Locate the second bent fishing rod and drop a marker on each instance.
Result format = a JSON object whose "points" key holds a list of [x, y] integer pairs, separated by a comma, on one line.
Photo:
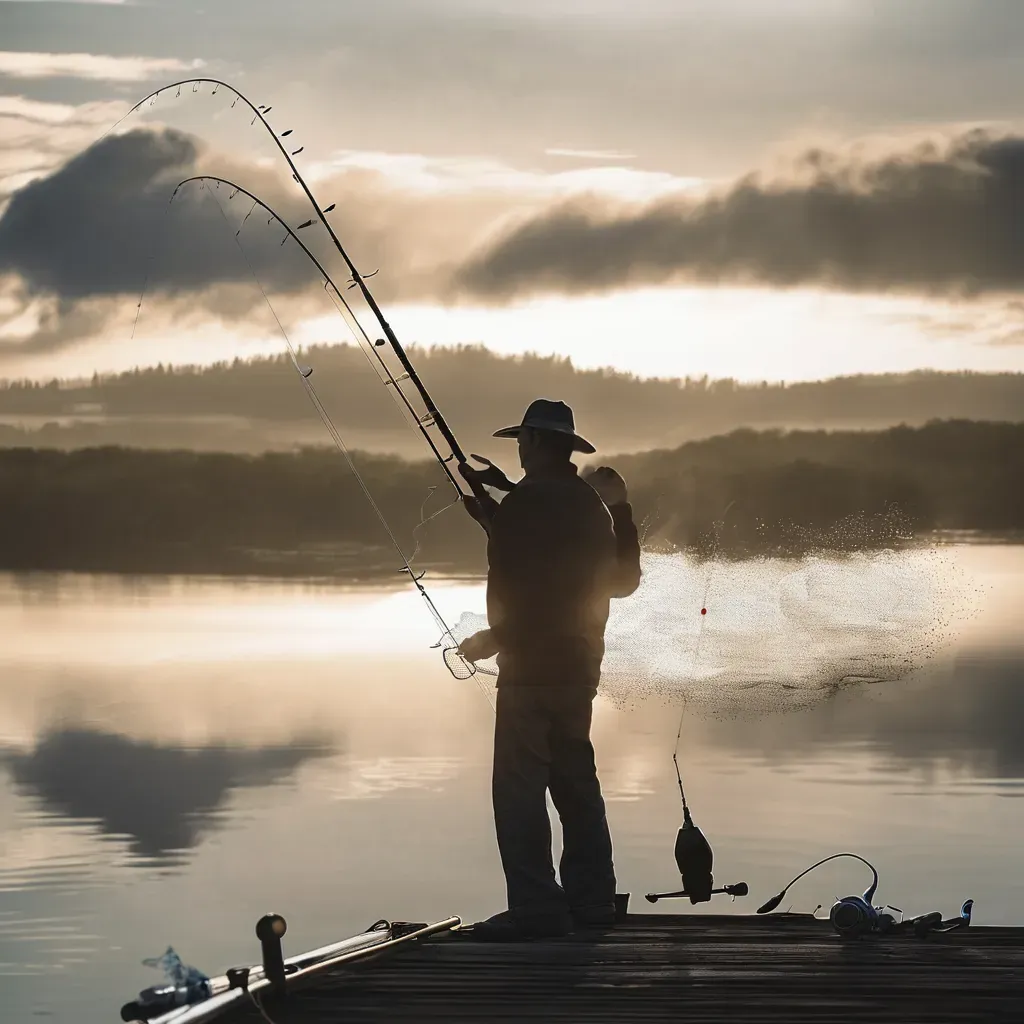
{"points": [[453, 657], [433, 416]]}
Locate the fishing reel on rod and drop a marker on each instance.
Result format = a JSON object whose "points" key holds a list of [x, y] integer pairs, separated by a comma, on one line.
{"points": [[695, 860]]}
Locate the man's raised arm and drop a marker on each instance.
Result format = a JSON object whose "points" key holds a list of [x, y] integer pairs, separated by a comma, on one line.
{"points": [[612, 490]]}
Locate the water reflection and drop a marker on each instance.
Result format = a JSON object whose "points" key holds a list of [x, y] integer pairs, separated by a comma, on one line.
{"points": [[963, 715], [163, 798], [300, 748]]}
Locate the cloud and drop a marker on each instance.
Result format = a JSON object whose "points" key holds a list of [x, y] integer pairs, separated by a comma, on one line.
{"points": [[1012, 338], [93, 226], [36, 137], [710, 84], [43, 324], [23, 64], [939, 217], [591, 154], [100, 227], [929, 218], [35, 110], [994, 323], [102, 222]]}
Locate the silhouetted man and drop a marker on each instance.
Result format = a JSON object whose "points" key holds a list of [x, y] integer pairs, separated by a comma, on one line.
{"points": [[559, 548]]}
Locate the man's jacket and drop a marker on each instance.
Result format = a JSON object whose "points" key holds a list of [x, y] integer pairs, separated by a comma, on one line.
{"points": [[556, 555]]}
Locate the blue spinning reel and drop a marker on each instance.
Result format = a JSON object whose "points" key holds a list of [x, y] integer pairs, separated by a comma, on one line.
{"points": [[854, 915]]}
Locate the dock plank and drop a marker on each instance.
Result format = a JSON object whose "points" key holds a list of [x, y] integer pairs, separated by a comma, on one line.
{"points": [[701, 969]]}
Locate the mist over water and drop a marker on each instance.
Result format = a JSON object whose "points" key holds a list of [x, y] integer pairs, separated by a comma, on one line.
{"points": [[776, 634], [179, 756]]}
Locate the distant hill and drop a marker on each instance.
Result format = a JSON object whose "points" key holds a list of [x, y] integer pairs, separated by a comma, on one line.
{"points": [[257, 405], [281, 513]]}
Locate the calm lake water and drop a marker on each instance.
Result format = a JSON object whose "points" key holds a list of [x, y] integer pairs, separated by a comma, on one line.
{"points": [[178, 757]]}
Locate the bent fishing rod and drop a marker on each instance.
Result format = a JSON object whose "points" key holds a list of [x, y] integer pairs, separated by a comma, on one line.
{"points": [[430, 418], [433, 416], [420, 423], [454, 660]]}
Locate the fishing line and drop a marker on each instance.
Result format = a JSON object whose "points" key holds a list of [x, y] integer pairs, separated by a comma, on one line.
{"points": [[142, 295], [719, 525], [384, 373], [424, 519], [259, 1007], [149, 265], [451, 654]]}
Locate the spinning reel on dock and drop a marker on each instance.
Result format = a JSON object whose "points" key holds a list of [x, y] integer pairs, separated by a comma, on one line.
{"points": [[854, 916]]}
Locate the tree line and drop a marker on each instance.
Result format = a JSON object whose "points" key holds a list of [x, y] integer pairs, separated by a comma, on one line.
{"points": [[620, 412], [740, 494]]}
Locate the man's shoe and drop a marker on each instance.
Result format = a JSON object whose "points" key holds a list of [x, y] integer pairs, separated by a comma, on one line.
{"points": [[511, 927], [599, 917]]}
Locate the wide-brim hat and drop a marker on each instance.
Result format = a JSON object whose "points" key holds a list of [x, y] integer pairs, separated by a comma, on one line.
{"points": [[554, 416]]}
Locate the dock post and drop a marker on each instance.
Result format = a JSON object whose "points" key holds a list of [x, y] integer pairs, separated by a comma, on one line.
{"points": [[621, 906]]}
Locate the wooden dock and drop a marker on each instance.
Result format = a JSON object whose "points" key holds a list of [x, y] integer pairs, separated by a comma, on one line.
{"points": [[693, 968]]}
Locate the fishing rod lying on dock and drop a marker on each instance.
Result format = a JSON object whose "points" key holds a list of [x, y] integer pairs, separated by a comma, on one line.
{"points": [[275, 976]]}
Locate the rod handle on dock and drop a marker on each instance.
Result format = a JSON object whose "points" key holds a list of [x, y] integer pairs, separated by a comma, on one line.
{"points": [[739, 889], [269, 930]]}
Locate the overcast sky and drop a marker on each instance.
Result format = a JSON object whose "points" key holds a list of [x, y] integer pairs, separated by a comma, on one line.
{"points": [[532, 174]]}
